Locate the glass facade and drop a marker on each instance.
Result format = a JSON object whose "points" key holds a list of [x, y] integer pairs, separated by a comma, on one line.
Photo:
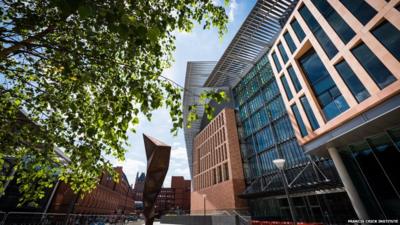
{"points": [[289, 42], [372, 164], [353, 83], [375, 68], [299, 120], [298, 30], [310, 114], [318, 32], [267, 134], [283, 53], [285, 84], [329, 97], [360, 9], [335, 20], [293, 77], [276, 61], [389, 36]]}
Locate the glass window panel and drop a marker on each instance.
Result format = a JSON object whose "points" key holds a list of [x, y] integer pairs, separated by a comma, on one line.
{"points": [[353, 83], [319, 34], [298, 30], [289, 42], [389, 36], [335, 20], [375, 68], [329, 97], [309, 112], [276, 61], [293, 77], [376, 178], [360, 9], [299, 120], [388, 156], [283, 52], [285, 84], [395, 134]]}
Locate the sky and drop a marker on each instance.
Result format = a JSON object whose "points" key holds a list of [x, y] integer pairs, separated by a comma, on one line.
{"points": [[199, 45]]}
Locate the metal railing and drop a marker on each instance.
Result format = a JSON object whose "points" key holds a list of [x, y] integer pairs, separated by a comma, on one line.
{"points": [[33, 218]]}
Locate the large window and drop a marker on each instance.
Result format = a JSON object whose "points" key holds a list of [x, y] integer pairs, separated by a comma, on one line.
{"points": [[375, 68], [283, 52], [329, 97], [287, 88], [298, 30], [353, 83], [299, 120], [389, 36], [335, 20], [309, 112], [289, 42], [294, 78], [360, 9], [318, 32], [276, 61]]}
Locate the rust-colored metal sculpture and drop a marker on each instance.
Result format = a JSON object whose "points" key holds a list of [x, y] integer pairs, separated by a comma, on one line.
{"points": [[158, 155]]}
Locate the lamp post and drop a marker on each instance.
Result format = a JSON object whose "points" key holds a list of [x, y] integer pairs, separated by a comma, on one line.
{"points": [[204, 204], [280, 163]]}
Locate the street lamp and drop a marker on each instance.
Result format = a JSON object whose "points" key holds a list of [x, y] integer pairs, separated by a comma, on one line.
{"points": [[280, 163], [204, 204]]}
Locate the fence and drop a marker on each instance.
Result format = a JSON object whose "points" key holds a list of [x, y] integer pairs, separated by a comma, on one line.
{"points": [[32, 218]]}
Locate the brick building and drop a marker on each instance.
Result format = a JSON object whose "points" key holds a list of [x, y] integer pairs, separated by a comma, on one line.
{"points": [[109, 197], [217, 166], [176, 197]]}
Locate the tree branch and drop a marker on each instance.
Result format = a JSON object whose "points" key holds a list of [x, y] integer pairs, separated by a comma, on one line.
{"points": [[5, 52]]}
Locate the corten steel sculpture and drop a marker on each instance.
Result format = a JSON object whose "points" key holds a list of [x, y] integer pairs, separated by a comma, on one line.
{"points": [[158, 155]]}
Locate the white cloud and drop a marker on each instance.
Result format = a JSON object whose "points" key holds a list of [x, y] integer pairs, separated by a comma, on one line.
{"points": [[232, 10], [179, 153]]}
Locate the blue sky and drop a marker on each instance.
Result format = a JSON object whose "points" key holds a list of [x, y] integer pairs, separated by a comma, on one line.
{"points": [[199, 45]]}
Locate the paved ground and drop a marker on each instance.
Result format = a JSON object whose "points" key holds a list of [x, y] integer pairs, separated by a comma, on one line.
{"points": [[142, 223]]}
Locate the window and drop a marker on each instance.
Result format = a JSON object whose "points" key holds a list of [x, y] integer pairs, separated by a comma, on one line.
{"points": [[318, 32], [329, 97], [294, 78], [298, 30], [389, 36], [276, 61], [353, 83], [289, 42], [335, 20], [299, 121], [226, 171], [375, 68], [310, 114], [360, 9], [283, 52], [287, 88]]}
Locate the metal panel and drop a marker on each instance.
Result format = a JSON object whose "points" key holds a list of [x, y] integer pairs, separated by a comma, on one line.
{"points": [[254, 39]]}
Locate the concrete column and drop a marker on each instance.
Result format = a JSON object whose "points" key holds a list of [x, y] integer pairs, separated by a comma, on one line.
{"points": [[348, 184]]}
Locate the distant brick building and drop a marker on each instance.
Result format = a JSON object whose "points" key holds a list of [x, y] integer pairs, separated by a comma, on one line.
{"points": [[217, 166], [176, 197], [109, 197]]}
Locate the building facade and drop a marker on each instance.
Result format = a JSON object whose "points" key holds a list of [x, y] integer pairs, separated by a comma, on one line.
{"points": [[109, 198], [337, 63], [170, 199], [316, 83], [217, 166]]}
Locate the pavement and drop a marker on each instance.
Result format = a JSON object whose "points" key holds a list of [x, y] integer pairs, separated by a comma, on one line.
{"points": [[141, 222]]}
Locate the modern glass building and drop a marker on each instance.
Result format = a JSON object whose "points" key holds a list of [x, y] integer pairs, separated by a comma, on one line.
{"points": [[345, 56], [316, 82], [267, 134]]}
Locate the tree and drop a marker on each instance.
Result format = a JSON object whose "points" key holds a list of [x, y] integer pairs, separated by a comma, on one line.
{"points": [[80, 72]]}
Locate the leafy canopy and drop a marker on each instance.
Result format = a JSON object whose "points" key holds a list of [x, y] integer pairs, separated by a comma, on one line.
{"points": [[81, 72]]}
